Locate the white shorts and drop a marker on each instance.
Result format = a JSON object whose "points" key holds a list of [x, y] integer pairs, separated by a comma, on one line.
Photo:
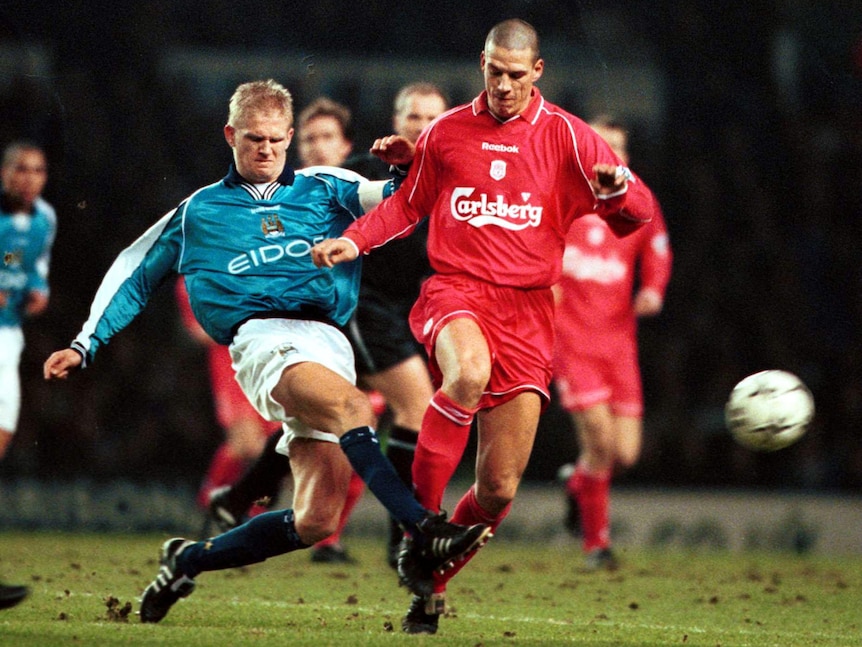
{"points": [[11, 345], [263, 348]]}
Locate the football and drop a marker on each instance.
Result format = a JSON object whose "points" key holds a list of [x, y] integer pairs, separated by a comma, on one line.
{"points": [[769, 410]]}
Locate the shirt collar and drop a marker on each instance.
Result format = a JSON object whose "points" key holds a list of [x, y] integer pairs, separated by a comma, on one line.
{"points": [[233, 177], [480, 104]]}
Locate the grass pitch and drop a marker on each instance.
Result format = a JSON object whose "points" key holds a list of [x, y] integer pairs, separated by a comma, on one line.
{"points": [[85, 588]]}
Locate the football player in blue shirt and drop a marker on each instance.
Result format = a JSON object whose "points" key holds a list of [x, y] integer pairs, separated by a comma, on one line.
{"points": [[242, 246], [27, 228]]}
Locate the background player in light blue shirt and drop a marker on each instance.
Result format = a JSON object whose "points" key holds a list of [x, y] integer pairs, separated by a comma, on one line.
{"points": [[242, 245], [27, 228]]}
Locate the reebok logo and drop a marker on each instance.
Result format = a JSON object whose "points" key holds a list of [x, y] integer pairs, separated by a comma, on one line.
{"points": [[499, 148]]}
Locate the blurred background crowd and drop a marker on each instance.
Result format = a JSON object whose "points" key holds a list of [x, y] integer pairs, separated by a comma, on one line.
{"points": [[745, 119]]}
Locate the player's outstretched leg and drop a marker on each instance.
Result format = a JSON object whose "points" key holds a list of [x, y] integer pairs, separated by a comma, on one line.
{"points": [[170, 584], [261, 537]]}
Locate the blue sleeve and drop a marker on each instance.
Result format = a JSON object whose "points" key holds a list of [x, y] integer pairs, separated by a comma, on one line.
{"points": [[37, 275], [351, 191], [130, 281]]}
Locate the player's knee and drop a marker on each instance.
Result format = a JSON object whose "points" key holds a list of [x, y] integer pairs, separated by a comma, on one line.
{"points": [[626, 460], [467, 384], [495, 493], [358, 409], [600, 455], [346, 410], [315, 525], [246, 439]]}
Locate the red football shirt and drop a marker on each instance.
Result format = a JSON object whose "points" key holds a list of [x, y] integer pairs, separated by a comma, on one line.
{"points": [[501, 195], [594, 310]]}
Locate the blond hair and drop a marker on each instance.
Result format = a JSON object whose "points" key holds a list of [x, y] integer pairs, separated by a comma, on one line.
{"points": [[256, 96]]}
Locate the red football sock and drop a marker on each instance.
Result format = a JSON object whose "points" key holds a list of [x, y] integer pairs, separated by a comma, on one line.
{"points": [[225, 469], [439, 448], [593, 493], [468, 512], [354, 493]]}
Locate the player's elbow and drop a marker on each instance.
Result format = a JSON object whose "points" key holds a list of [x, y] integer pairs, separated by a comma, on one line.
{"points": [[622, 225]]}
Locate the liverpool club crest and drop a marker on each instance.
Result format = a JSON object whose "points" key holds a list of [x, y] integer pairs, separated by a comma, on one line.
{"points": [[498, 169]]}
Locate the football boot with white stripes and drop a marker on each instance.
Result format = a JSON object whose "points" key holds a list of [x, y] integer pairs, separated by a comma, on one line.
{"points": [[435, 548], [170, 584]]}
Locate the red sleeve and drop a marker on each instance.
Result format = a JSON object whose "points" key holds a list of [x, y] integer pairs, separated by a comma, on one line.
{"points": [[627, 212], [398, 215], [392, 218]]}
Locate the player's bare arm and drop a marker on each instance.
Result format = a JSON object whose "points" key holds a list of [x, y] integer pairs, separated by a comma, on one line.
{"points": [[394, 149], [332, 251], [61, 363]]}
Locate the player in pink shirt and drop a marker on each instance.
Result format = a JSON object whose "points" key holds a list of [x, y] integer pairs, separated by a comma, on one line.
{"points": [[501, 179], [596, 368]]}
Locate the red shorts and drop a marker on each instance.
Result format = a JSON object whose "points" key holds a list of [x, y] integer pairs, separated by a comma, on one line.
{"points": [[231, 404], [517, 324], [585, 379]]}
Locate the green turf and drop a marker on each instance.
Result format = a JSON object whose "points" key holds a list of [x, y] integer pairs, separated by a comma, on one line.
{"points": [[512, 594]]}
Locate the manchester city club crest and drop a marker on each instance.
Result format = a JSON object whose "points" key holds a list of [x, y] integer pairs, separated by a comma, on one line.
{"points": [[498, 169], [13, 259], [271, 226]]}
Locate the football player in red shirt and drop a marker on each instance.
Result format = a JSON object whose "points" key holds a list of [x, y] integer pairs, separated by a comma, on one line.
{"points": [[501, 180], [596, 367]]}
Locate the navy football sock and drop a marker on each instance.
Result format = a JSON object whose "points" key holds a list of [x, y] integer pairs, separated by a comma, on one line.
{"points": [[261, 537], [363, 450]]}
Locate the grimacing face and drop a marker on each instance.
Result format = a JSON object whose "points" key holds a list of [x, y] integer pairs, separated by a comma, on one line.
{"points": [[509, 78], [260, 145]]}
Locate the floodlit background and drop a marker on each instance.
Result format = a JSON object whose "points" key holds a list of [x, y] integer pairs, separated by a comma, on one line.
{"points": [[746, 120]]}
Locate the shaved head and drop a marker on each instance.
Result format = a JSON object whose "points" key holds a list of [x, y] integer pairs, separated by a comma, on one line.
{"points": [[514, 34]]}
